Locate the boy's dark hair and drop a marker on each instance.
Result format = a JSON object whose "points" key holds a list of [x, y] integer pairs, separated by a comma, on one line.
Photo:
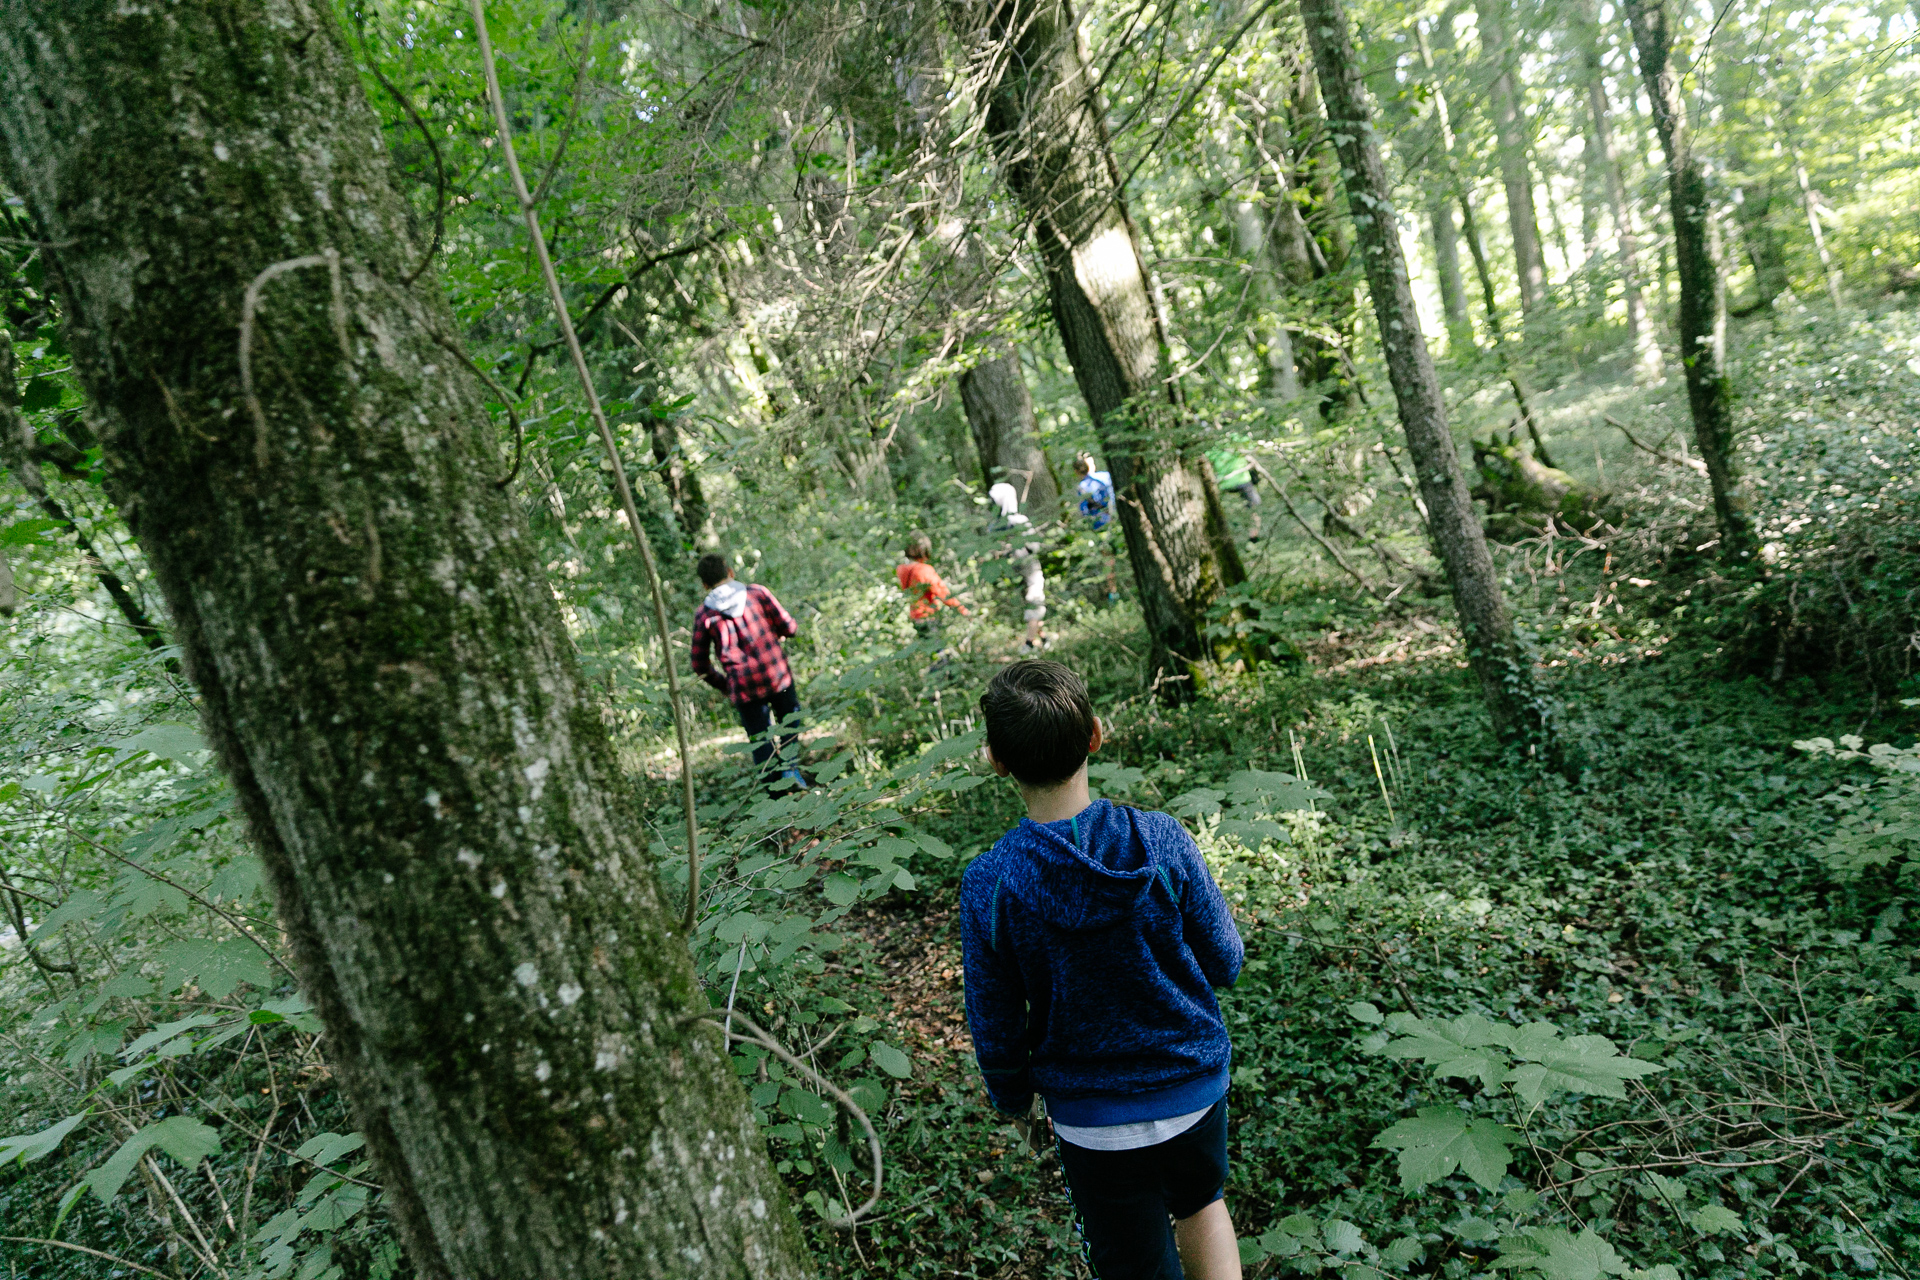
{"points": [[713, 568], [919, 546], [1039, 721]]}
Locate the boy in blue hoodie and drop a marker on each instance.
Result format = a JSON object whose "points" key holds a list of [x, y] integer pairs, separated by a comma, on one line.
{"points": [[1094, 938]]}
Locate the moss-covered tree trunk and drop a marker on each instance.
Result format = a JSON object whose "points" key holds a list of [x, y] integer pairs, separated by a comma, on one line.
{"points": [[1520, 712], [1703, 309], [1046, 129], [451, 847]]}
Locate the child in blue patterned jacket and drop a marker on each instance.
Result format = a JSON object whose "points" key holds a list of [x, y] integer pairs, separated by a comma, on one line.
{"points": [[1094, 938]]}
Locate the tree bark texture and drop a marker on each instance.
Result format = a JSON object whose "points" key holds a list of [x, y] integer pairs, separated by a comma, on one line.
{"points": [[1703, 313], [383, 671], [1446, 261], [1514, 144], [1520, 712], [1000, 414], [1640, 336], [1047, 131]]}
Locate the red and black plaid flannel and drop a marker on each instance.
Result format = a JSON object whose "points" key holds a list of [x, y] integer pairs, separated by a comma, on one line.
{"points": [[753, 666]]}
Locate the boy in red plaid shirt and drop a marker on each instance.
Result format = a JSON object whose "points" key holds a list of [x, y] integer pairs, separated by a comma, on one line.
{"points": [[741, 624]]}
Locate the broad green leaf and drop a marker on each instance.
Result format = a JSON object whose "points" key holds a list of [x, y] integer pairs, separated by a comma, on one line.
{"points": [[808, 1107], [81, 904], [841, 889], [1272, 792], [1462, 1048], [1561, 1255], [219, 966], [1585, 1064], [1441, 1139], [169, 740], [1713, 1219], [1364, 1011], [1474, 1230], [1300, 1224], [325, 1148], [28, 1147], [1342, 1237], [182, 1137], [1668, 1191], [1197, 803], [28, 533], [1253, 832], [165, 1032], [1403, 1252], [890, 1060]]}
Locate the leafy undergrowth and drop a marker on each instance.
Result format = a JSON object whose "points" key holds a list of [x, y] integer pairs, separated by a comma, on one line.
{"points": [[1747, 1113]]}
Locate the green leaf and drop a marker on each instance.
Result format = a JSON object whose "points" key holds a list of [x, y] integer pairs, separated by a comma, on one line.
{"points": [[324, 1148], [41, 394], [890, 1060], [1585, 1064], [168, 740], [28, 533], [29, 1147], [842, 890], [1197, 803], [165, 1032], [219, 967], [1560, 1255], [1713, 1219], [1474, 1230], [182, 1137], [1365, 1011], [1460, 1048], [1442, 1139], [1342, 1237], [810, 1108], [1272, 792], [1403, 1252]]}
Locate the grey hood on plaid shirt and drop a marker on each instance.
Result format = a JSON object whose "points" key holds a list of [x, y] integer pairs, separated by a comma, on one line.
{"points": [[729, 599]]}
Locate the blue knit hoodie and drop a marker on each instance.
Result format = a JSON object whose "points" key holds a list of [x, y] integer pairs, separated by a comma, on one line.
{"points": [[1092, 950]]}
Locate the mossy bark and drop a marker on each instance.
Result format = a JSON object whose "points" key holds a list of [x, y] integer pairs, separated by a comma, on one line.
{"points": [[1703, 307], [1046, 129], [1520, 711], [383, 672]]}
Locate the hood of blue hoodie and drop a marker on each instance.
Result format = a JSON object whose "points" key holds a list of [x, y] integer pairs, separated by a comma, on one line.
{"points": [[1081, 890]]}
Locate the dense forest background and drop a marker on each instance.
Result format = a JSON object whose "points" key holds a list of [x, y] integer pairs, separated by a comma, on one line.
{"points": [[1572, 826]]}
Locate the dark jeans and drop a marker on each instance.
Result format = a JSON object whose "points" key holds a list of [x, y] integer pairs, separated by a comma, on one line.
{"points": [[755, 717], [1125, 1198]]}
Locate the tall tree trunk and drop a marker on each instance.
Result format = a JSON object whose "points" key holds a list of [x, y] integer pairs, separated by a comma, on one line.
{"points": [[1046, 128], [1703, 315], [1640, 338], [1510, 130], [1520, 712], [1766, 249], [452, 849], [1273, 344], [1446, 259], [1000, 413]]}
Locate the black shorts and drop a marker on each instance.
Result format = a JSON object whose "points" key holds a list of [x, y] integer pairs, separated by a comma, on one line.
{"points": [[1125, 1198]]}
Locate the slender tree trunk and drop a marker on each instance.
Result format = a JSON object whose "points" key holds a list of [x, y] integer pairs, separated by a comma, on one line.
{"points": [[1703, 316], [453, 852], [1274, 345], [1453, 284], [1640, 338], [1520, 712], [1047, 130], [1811, 203], [1516, 174], [1000, 413], [1753, 203]]}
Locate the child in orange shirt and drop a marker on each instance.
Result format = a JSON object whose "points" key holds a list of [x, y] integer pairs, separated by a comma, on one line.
{"points": [[921, 581]]}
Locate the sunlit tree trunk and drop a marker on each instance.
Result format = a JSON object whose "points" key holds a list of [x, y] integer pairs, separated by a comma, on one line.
{"points": [[1046, 129], [1446, 259], [452, 849], [1520, 711], [999, 412], [1640, 337], [1510, 129], [1703, 316]]}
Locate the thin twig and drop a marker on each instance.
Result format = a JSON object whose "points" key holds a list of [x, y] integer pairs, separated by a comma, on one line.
{"points": [[1697, 466], [758, 1036], [80, 1248], [244, 932], [613, 457], [433, 148], [250, 303]]}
